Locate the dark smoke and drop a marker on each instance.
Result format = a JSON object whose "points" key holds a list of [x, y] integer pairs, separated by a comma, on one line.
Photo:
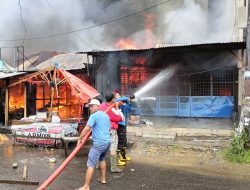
{"points": [[178, 21]]}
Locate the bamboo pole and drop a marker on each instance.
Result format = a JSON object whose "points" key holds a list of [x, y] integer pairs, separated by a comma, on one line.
{"points": [[11, 181], [25, 100], [52, 93], [7, 107], [56, 84], [62, 81], [51, 101], [26, 78]]}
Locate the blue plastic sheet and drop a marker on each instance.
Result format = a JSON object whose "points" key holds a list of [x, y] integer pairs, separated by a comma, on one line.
{"points": [[212, 106], [187, 106]]}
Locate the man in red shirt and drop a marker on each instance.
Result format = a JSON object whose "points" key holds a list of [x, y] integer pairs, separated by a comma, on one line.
{"points": [[115, 117]]}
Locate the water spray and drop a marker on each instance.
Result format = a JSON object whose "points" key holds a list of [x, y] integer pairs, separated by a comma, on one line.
{"points": [[166, 74]]}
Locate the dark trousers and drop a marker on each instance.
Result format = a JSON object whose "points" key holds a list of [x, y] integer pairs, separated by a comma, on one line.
{"points": [[122, 137]]}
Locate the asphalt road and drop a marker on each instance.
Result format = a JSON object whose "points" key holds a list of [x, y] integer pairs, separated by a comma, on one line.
{"points": [[136, 176]]}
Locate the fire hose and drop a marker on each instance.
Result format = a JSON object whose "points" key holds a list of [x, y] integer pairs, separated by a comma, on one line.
{"points": [[70, 157], [65, 163]]}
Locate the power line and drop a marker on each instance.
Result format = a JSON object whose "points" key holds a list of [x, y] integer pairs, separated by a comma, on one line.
{"points": [[178, 13], [21, 12], [25, 32], [78, 37], [168, 21], [94, 26]]}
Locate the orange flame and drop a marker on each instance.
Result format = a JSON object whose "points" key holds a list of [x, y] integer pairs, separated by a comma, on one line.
{"points": [[125, 43], [148, 38]]}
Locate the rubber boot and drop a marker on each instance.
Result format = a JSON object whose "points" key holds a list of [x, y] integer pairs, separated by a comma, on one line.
{"points": [[120, 163], [120, 157], [113, 162], [123, 156]]}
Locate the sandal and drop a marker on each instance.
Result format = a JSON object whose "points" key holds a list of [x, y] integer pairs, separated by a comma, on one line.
{"points": [[101, 181]]}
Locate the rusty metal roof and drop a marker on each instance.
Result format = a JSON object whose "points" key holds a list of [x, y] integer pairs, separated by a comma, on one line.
{"points": [[174, 48], [67, 61], [4, 75]]}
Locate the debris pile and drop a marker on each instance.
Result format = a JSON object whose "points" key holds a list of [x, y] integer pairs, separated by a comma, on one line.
{"points": [[135, 119]]}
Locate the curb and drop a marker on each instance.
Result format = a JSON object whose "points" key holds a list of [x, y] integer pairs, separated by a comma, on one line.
{"points": [[172, 133]]}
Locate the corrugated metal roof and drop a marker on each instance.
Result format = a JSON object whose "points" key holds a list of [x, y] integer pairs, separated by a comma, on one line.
{"points": [[7, 75], [5, 67], [217, 45], [69, 61], [35, 59]]}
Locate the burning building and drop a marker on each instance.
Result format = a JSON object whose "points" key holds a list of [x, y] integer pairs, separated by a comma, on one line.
{"points": [[32, 92], [200, 80]]}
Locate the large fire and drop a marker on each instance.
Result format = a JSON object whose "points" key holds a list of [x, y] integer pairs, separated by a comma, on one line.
{"points": [[148, 36], [68, 105], [125, 43], [16, 98]]}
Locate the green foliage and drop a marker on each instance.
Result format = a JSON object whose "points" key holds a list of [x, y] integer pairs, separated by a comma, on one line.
{"points": [[176, 147], [238, 151]]}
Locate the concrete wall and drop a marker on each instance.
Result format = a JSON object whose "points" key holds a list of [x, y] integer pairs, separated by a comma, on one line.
{"points": [[241, 7]]}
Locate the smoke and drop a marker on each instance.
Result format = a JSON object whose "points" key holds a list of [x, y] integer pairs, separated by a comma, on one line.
{"points": [[180, 28], [207, 61], [200, 22], [177, 21], [42, 18]]}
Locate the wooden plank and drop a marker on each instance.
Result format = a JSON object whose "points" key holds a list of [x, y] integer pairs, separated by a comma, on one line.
{"points": [[25, 171], [10, 181]]}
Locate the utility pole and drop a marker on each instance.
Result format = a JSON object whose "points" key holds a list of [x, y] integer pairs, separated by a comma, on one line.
{"points": [[246, 95], [248, 37], [247, 72]]}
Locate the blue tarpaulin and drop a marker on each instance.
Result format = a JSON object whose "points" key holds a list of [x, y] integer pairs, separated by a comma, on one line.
{"points": [[212, 106], [187, 106]]}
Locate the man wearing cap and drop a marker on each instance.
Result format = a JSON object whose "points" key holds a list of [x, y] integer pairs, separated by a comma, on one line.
{"points": [[100, 125]]}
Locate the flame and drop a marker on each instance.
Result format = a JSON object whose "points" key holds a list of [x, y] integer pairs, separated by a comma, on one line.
{"points": [[16, 98], [148, 37], [66, 104], [125, 43]]}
